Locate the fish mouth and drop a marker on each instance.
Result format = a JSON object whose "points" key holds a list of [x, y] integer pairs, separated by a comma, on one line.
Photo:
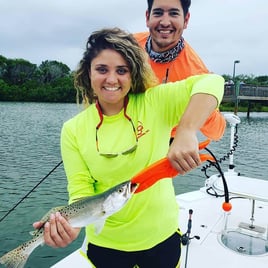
{"points": [[133, 187]]}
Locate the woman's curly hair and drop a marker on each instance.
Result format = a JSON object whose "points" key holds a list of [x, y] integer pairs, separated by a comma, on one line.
{"points": [[142, 75]]}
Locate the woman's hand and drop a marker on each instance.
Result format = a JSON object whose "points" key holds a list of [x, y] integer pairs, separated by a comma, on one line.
{"points": [[183, 152], [57, 231]]}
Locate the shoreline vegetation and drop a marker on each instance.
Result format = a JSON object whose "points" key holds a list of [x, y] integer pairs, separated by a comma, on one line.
{"points": [[230, 107], [52, 81]]}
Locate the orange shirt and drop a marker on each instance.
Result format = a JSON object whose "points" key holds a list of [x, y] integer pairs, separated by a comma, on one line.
{"points": [[186, 64]]}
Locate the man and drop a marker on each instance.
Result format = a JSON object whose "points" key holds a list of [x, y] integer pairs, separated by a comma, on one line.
{"points": [[170, 56]]}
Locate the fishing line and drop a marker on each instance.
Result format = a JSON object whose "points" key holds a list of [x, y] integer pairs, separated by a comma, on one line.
{"points": [[225, 157], [24, 197]]}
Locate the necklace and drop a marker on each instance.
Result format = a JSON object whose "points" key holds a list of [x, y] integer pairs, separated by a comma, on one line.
{"points": [[166, 56]]}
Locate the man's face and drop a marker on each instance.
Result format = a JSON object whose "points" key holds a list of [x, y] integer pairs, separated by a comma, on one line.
{"points": [[166, 23]]}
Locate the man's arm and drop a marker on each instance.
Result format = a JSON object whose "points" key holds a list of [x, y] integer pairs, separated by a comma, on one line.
{"points": [[183, 152]]}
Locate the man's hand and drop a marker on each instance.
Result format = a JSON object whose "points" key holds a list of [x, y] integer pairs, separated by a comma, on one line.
{"points": [[183, 152]]}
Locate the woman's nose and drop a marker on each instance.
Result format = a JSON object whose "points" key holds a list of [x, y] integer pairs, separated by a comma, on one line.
{"points": [[111, 77]]}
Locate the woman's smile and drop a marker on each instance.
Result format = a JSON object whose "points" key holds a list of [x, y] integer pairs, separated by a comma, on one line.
{"points": [[110, 79], [112, 88]]}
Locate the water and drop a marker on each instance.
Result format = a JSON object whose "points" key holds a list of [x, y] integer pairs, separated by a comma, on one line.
{"points": [[29, 150]]}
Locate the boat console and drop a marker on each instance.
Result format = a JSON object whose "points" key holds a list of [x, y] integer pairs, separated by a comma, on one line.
{"points": [[245, 236]]}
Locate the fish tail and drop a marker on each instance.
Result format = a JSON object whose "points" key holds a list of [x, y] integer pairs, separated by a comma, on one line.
{"points": [[18, 257], [15, 258]]}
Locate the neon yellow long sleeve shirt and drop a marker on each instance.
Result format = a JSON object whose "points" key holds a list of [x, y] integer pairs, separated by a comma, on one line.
{"points": [[152, 215]]}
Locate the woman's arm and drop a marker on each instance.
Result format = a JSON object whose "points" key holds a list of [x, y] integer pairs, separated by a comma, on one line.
{"points": [[80, 181], [57, 231]]}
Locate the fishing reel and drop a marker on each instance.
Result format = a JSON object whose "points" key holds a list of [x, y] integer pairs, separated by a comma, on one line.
{"points": [[185, 239]]}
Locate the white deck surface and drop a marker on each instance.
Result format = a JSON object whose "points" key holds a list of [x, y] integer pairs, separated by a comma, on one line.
{"points": [[208, 221]]}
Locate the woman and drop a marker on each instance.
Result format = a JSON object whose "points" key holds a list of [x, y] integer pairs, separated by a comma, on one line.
{"points": [[125, 128]]}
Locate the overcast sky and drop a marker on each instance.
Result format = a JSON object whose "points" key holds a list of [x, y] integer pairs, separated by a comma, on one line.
{"points": [[221, 31]]}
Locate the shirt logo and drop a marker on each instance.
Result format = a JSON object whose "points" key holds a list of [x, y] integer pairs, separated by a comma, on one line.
{"points": [[140, 130]]}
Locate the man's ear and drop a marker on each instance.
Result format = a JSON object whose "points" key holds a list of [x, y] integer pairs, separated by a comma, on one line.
{"points": [[186, 20], [147, 16]]}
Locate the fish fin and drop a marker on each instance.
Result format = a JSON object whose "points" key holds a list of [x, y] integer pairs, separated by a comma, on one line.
{"points": [[36, 232], [99, 226], [46, 217]]}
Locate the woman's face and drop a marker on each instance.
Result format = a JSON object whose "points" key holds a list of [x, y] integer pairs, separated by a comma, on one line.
{"points": [[110, 79]]}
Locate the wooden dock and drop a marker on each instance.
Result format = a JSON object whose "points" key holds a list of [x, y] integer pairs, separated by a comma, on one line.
{"points": [[245, 93]]}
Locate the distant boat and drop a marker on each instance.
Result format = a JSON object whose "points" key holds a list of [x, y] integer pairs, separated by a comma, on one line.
{"points": [[214, 237]]}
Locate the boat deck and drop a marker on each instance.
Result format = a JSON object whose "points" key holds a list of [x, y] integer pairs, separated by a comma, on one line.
{"points": [[227, 239], [242, 246]]}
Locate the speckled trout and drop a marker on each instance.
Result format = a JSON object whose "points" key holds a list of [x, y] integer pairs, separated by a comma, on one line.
{"points": [[90, 210]]}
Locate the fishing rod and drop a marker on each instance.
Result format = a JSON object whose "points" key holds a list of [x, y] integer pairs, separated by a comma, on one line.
{"points": [[185, 239], [25, 196]]}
